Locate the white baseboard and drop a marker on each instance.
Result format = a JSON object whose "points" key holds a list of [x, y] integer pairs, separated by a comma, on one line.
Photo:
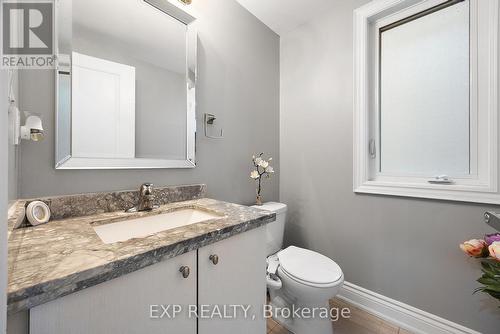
{"points": [[402, 315]]}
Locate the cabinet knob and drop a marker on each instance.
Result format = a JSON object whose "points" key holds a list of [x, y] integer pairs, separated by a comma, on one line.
{"points": [[214, 258], [185, 271]]}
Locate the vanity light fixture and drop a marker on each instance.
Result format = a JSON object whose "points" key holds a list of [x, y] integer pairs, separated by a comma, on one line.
{"points": [[31, 130]]}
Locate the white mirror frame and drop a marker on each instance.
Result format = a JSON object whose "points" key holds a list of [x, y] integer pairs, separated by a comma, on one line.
{"points": [[480, 188], [184, 15]]}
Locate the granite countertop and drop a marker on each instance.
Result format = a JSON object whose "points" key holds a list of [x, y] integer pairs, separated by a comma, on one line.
{"points": [[66, 255]]}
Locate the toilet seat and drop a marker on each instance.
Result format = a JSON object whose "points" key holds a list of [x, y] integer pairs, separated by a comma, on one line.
{"points": [[283, 274], [309, 268]]}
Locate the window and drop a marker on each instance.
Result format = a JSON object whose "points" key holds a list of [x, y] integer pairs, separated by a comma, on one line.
{"points": [[424, 95], [426, 99]]}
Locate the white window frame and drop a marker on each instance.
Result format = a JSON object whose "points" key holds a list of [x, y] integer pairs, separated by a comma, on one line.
{"points": [[482, 185]]}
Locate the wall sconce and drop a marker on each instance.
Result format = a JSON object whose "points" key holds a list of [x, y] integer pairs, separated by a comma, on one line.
{"points": [[31, 130], [186, 2]]}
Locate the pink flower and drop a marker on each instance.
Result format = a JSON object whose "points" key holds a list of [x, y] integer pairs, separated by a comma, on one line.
{"points": [[475, 248], [495, 250]]}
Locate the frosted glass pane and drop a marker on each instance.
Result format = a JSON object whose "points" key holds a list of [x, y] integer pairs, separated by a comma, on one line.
{"points": [[424, 97]]}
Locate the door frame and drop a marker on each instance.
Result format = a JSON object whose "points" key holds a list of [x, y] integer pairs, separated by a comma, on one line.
{"points": [[3, 197]]}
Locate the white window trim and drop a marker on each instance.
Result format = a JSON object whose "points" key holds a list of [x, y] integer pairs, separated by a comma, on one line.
{"points": [[480, 188]]}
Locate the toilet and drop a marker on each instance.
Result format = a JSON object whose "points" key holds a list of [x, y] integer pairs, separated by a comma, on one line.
{"points": [[298, 279]]}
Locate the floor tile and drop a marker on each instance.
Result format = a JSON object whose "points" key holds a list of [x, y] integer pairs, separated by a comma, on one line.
{"points": [[348, 327], [387, 328], [360, 322], [280, 330], [271, 324]]}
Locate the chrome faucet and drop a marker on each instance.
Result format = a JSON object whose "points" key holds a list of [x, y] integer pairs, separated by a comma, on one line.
{"points": [[146, 199]]}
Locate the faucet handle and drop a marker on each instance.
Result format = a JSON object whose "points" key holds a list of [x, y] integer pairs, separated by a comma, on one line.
{"points": [[146, 199], [146, 189]]}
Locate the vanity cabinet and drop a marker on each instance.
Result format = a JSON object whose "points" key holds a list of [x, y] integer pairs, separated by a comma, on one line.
{"points": [[122, 305], [229, 272]]}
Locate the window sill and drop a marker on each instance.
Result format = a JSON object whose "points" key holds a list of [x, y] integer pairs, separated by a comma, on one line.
{"points": [[449, 192]]}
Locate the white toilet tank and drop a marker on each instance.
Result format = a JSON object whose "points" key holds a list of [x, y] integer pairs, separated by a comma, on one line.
{"points": [[276, 229]]}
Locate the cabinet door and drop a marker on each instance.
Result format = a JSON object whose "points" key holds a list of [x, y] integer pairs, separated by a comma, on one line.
{"points": [[239, 278], [123, 305]]}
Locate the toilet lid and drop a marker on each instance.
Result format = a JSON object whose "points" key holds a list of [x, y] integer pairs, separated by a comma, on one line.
{"points": [[309, 266]]}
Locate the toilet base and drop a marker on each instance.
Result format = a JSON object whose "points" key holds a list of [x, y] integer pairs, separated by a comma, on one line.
{"points": [[302, 322]]}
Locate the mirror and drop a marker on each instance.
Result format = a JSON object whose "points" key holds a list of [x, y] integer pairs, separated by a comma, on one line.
{"points": [[125, 85]]}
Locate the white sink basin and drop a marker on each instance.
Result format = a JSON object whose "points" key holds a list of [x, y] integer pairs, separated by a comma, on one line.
{"points": [[146, 226]]}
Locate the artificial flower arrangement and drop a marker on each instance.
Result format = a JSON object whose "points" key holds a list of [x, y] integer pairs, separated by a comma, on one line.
{"points": [[262, 169], [487, 249]]}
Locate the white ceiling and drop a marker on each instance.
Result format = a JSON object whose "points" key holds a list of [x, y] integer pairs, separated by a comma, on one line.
{"points": [[283, 16]]}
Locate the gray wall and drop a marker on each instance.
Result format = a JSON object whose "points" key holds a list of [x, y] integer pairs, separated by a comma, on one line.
{"points": [[238, 81], [405, 249]]}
